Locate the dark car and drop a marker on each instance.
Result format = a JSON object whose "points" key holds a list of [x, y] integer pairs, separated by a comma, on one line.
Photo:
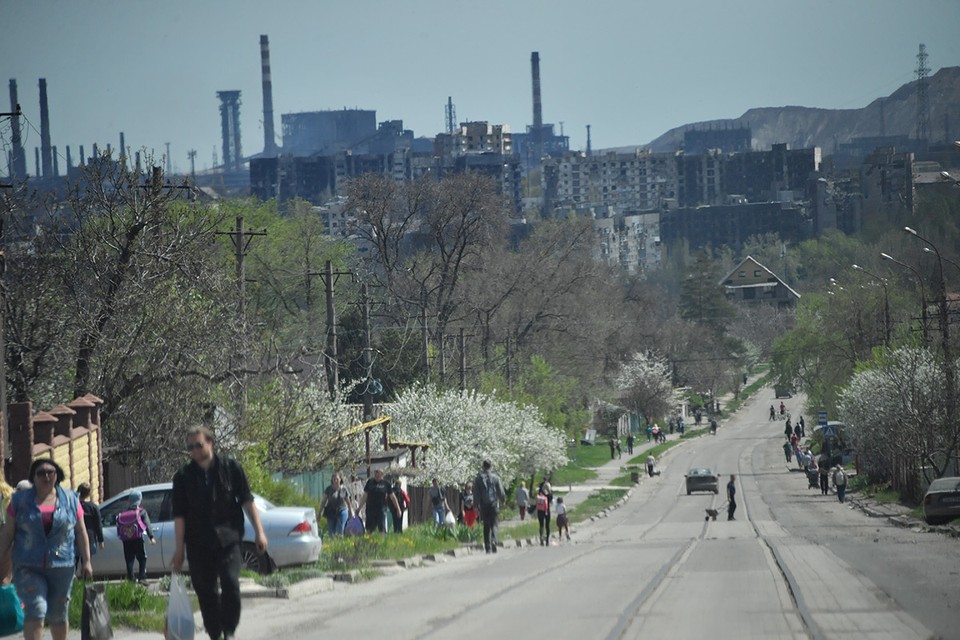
{"points": [[941, 504], [702, 479]]}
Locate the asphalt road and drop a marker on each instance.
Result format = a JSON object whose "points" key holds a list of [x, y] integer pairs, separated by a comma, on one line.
{"points": [[794, 564]]}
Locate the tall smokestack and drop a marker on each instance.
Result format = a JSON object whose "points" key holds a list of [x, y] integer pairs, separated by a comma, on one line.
{"points": [[36, 159], [589, 147], [56, 163], [269, 138], [123, 149], [45, 153], [83, 157], [537, 105], [18, 160], [69, 161]]}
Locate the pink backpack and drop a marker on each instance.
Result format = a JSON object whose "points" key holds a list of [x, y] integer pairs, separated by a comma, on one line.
{"points": [[130, 525]]}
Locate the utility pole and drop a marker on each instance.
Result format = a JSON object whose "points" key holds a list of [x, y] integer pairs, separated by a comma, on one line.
{"points": [[441, 343], [425, 341], [509, 377], [463, 362], [367, 357], [332, 365], [192, 154], [241, 239]]}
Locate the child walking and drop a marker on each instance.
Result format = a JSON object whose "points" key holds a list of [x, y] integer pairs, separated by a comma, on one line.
{"points": [[131, 525], [562, 521]]}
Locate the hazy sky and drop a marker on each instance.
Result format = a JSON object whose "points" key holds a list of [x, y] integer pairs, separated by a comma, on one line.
{"points": [[631, 68]]}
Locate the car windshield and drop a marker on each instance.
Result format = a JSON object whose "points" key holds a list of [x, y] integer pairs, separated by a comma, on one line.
{"points": [[700, 472]]}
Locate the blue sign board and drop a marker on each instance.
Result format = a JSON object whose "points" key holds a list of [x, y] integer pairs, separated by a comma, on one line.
{"points": [[822, 418]]}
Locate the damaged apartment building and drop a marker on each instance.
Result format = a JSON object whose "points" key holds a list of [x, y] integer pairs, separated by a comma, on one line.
{"points": [[323, 149]]}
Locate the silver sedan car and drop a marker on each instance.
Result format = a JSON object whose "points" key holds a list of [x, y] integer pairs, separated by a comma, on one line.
{"points": [[291, 533]]}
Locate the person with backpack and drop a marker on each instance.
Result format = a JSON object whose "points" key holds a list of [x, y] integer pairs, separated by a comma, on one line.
{"points": [[544, 498], [438, 501], [840, 481], [131, 525], [490, 494]]}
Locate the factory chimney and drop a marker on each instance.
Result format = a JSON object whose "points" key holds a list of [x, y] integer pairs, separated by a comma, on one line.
{"points": [[18, 164], [123, 150], [269, 138], [537, 106], [46, 155], [589, 148], [230, 129]]}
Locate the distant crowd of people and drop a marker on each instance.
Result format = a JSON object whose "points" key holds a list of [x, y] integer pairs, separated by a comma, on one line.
{"points": [[817, 469]]}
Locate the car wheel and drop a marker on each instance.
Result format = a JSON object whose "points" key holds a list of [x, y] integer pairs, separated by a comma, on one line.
{"points": [[689, 492], [934, 520], [249, 558], [716, 491]]}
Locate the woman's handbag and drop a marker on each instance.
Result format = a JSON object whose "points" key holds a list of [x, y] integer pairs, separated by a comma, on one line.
{"points": [[11, 611], [178, 623]]}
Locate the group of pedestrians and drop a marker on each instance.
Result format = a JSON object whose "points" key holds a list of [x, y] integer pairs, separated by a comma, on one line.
{"points": [[49, 533], [817, 469]]}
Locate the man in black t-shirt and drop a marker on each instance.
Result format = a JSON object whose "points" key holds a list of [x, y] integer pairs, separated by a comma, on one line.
{"points": [[376, 494], [210, 495]]}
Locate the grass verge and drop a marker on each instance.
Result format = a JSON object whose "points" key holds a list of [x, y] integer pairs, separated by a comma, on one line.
{"points": [[131, 606]]}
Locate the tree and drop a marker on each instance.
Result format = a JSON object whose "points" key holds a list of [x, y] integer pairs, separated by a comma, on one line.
{"points": [[701, 297], [465, 428], [145, 313], [425, 235], [644, 383], [894, 410]]}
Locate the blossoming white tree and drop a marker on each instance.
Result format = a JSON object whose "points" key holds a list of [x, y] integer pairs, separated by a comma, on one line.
{"points": [[465, 428], [644, 383], [894, 412]]}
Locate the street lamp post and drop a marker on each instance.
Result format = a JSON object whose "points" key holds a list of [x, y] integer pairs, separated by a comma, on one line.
{"points": [[923, 293], [886, 303], [943, 309]]}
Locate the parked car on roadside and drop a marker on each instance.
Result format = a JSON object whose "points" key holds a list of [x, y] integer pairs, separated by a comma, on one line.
{"points": [[941, 504], [291, 533], [702, 479]]}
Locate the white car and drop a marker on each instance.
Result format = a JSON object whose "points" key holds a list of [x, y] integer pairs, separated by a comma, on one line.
{"points": [[291, 533]]}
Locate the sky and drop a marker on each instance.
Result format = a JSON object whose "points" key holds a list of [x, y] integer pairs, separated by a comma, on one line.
{"points": [[632, 69]]}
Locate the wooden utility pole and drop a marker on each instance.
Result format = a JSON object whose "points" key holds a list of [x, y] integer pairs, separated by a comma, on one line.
{"points": [[425, 342], [241, 239], [509, 377], [463, 362], [331, 365], [367, 357]]}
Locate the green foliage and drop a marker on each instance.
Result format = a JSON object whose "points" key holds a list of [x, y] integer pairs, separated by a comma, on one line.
{"points": [[345, 553], [701, 297], [595, 503], [539, 384], [131, 605], [278, 492]]}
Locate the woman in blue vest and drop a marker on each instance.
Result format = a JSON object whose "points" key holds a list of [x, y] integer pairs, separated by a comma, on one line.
{"points": [[45, 525]]}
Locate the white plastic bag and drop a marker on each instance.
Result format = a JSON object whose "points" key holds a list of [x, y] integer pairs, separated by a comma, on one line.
{"points": [[178, 623], [449, 519]]}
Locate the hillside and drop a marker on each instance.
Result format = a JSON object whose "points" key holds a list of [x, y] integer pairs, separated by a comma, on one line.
{"points": [[804, 127]]}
